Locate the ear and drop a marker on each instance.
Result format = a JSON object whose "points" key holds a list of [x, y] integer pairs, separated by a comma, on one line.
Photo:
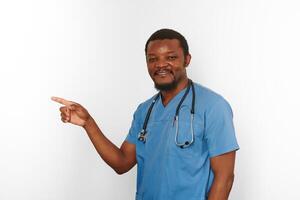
{"points": [[187, 60]]}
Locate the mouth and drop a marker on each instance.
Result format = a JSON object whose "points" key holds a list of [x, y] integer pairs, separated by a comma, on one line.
{"points": [[162, 73]]}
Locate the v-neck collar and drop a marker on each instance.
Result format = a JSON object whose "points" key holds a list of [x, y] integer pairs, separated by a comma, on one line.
{"points": [[162, 112], [173, 100]]}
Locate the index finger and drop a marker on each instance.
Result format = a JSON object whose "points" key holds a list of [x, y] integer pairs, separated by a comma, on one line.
{"points": [[62, 101]]}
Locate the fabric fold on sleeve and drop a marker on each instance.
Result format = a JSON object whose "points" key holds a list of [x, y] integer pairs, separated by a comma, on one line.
{"points": [[219, 129]]}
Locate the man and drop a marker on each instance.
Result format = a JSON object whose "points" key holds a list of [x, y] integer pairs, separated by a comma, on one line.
{"points": [[186, 150]]}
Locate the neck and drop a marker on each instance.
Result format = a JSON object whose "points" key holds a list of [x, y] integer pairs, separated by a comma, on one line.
{"points": [[168, 95]]}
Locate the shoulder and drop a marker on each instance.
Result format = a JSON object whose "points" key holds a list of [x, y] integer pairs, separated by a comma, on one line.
{"points": [[208, 100]]}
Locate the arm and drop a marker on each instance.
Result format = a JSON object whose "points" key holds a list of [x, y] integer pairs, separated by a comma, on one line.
{"points": [[120, 159], [223, 168]]}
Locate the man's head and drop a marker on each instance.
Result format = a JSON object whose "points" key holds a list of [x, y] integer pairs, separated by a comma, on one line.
{"points": [[167, 56]]}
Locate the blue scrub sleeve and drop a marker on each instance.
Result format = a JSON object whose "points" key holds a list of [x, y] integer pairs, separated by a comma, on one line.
{"points": [[219, 129], [134, 130]]}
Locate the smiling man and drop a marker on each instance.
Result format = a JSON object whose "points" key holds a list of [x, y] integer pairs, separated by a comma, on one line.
{"points": [[182, 138]]}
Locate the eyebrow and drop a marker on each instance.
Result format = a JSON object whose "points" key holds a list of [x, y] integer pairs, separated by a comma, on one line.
{"points": [[152, 54]]}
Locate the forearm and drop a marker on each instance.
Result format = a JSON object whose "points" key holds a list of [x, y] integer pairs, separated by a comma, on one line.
{"points": [[221, 187], [109, 152]]}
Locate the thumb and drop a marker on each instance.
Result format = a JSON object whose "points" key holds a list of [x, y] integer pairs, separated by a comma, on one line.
{"points": [[72, 107]]}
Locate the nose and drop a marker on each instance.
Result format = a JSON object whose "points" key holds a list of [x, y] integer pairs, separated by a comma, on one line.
{"points": [[161, 63]]}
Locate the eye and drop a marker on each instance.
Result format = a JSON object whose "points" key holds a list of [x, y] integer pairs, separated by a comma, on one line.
{"points": [[151, 59], [173, 57]]}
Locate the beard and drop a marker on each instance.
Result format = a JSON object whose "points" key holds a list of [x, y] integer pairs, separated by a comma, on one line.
{"points": [[166, 86]]}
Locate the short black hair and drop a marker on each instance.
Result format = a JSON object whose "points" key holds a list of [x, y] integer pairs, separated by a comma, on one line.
{"points": [[169, 34]]}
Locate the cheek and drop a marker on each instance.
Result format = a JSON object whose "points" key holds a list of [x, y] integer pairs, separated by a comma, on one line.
{"points": [[178, 64], [178, 67], [150, 67], [179, 70]]}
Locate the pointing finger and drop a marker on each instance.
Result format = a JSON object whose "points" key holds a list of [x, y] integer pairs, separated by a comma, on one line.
{"points": [[62, 101]]}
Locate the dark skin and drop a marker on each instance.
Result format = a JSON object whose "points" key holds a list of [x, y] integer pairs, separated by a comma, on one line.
{"points": [[167, 56], [166, 62]]}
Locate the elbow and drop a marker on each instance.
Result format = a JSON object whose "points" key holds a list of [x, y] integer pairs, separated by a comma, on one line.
{"points": [[120, 171]]}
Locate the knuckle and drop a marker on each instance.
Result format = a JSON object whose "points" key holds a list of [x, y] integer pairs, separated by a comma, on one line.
{"points": [[76, 105], [62, 108]]}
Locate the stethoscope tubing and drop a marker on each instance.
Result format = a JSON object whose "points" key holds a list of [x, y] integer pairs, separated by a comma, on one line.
{"points": [[143, 133]]}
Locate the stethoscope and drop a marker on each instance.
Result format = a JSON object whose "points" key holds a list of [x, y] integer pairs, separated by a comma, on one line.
{"points": [[143, 134]]}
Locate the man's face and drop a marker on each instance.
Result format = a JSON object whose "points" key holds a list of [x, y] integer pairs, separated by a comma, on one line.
{"points": [[166, 63]]}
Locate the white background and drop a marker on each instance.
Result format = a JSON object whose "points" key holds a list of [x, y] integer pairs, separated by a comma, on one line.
{"points": [[92, 52]]}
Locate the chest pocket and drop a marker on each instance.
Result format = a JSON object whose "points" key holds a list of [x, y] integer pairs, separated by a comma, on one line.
{"points": [[186, 130]]}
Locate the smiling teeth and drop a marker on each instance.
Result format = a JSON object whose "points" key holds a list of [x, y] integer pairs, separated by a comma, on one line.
{"points": [[162, 72]]}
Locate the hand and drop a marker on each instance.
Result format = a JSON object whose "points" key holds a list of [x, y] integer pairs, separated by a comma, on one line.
{"points": [[72, 112]]}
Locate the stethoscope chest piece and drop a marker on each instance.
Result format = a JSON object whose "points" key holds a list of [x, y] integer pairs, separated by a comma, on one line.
{"points": [[142, 136]]}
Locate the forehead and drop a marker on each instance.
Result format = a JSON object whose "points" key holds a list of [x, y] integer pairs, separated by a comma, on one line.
{"points": [[163, 46]]}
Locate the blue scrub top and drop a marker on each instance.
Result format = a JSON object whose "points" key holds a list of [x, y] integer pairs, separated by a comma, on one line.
{"points": [[166, 171]]}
